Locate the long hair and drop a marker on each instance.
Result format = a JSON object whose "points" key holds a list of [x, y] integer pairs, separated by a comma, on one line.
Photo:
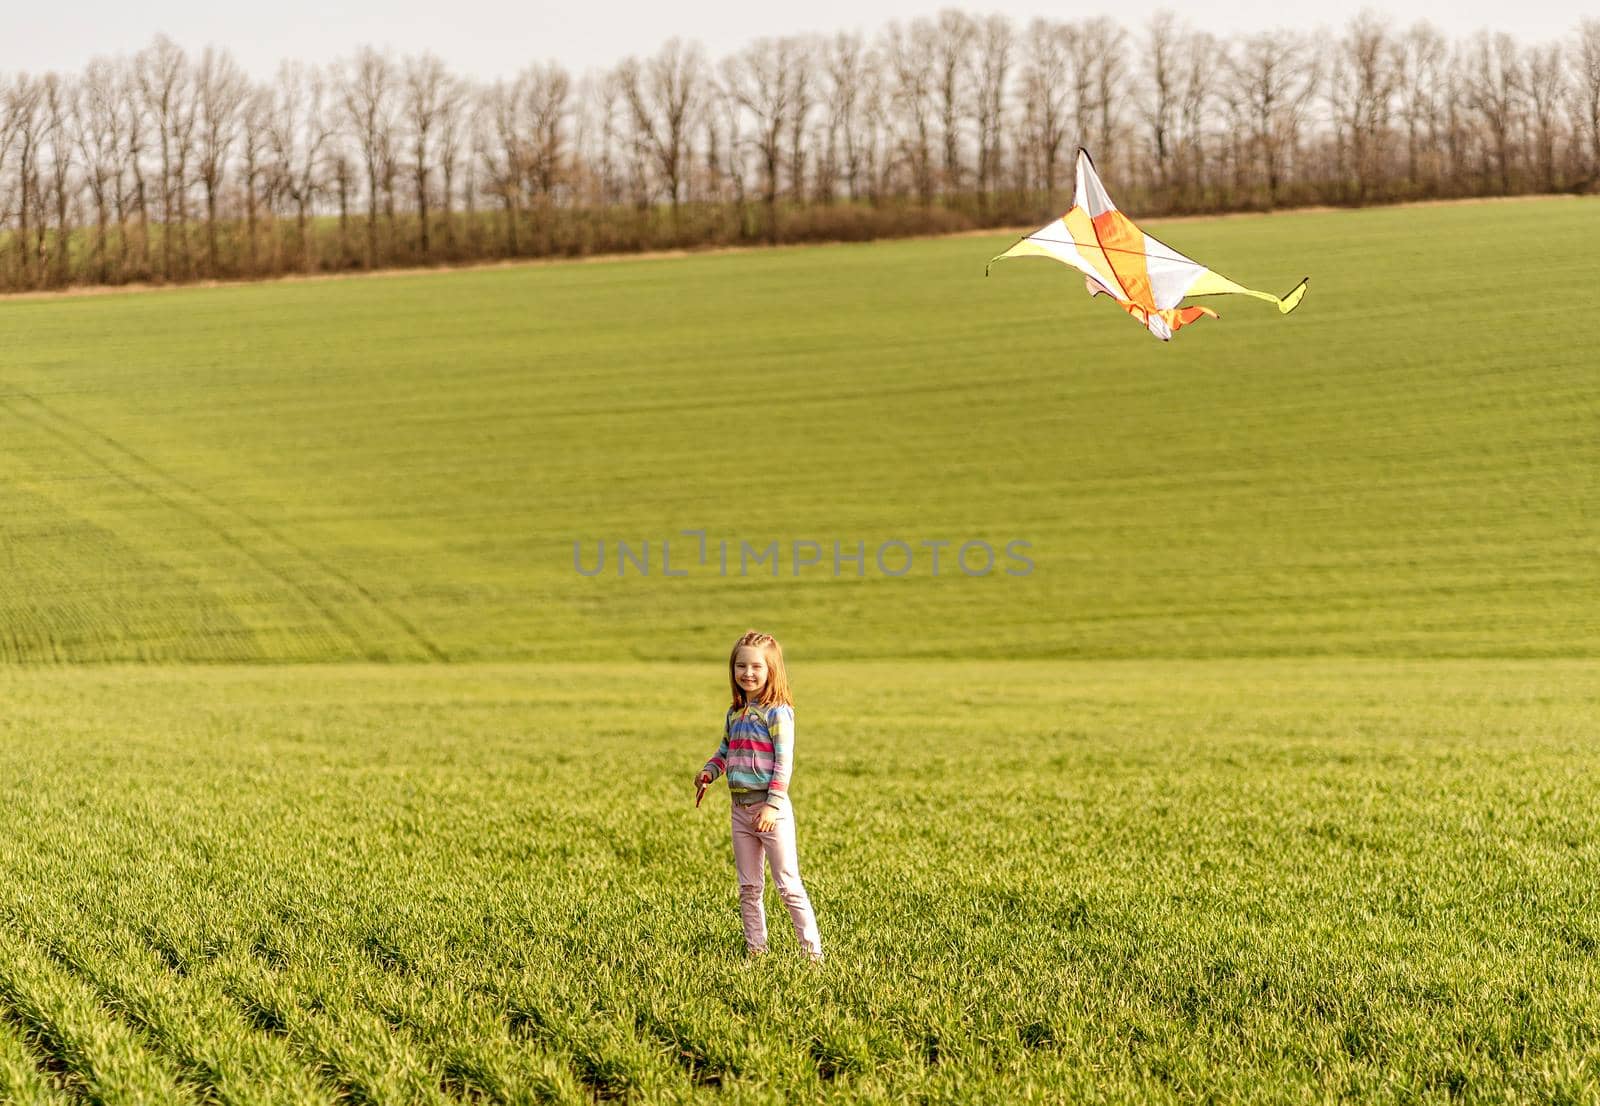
{"points": [[776, 690]]}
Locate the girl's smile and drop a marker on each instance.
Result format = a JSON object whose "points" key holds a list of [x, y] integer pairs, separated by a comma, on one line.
{"points": [[750, 669]]}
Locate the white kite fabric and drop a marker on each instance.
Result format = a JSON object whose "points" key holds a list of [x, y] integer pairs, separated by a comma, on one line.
{"points": [[1145, 276]]}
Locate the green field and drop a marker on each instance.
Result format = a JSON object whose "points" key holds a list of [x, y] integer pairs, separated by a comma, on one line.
{"points": [[326, 777], [1135, 881], [398, 468]]}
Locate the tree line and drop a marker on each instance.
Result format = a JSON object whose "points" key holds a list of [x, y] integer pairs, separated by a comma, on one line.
{"points": [[165, 166]]}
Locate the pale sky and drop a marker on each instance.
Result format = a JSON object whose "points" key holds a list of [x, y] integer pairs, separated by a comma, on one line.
{"points": [[496, 38]]}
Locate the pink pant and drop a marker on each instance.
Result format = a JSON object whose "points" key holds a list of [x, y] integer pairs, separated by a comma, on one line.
{"points": [[778, 845]]}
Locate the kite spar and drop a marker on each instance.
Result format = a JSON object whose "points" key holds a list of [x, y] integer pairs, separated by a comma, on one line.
{"points": [[1147, 277]]}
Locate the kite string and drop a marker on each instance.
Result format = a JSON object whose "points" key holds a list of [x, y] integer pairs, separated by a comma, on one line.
{"points": [[1107, 249], [1139, 253]]}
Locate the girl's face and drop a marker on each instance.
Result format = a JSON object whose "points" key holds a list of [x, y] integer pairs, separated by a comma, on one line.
{"points": [[750, 669]]}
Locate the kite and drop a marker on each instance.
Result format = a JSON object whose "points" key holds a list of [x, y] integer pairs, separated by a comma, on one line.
{"points": [[1119, 260]]}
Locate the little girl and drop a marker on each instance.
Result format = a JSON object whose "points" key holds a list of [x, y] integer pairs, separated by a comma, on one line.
{"points": [[757, 754]]}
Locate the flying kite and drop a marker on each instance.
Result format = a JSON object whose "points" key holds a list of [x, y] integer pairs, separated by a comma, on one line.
{"points": [[1119, 260]]}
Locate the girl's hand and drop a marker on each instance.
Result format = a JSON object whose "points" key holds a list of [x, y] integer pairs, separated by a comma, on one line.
{"points": [[767, 818], [702, 779]]}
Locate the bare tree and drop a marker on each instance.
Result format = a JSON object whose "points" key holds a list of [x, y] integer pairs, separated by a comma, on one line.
{"points": [[1422, 89], [1458, 132], [455, 129], [8, 135], [1158, 102], [255, 144], [546, 92], [613, 135], [721, 116], [1081, 83], [428, 88], [909, 55], [138, 143], [800, 115], [24, 105], [299, 133], [1103, 44], [477, 127], [1044, 97], [665, 94], [730, 159], [1364, 99], [501, 150], [1275, 76], [221, 88], [878, 138], [845, 64], [342, 171], [100, 120], [58, 95], [953, 40], [165, 85], [823, 141], [1586, 90], [761, 81], [1545, 80], [367, 98], [389, 171], [1494, 92], [990, 75], [547, 95], [1201, 59]]}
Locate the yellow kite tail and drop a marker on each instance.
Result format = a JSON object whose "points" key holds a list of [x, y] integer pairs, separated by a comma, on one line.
{"points": [[1215, 284], [1023, 247]]}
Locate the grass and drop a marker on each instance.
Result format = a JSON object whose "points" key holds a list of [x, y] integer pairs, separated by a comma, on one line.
{"points": [[398, 469], [1237, 881], [325, 777]]}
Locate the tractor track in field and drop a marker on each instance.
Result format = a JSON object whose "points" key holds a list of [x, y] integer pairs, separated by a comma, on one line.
{"points": [[53, 1071], [194, 1071], [460, 1077], [326, 1060], [73, 432], [52, 1044], [191, 1069], [117, 1008]]}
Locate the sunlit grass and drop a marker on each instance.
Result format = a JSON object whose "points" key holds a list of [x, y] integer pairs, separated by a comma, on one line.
{"points": [[399, 468], [1242, 881]]}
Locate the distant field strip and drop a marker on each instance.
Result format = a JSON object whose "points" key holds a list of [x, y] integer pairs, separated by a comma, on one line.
{"points": [[399, 469]]}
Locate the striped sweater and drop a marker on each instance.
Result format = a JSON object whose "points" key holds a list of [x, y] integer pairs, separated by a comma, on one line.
{"points": [[756, 754]]}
